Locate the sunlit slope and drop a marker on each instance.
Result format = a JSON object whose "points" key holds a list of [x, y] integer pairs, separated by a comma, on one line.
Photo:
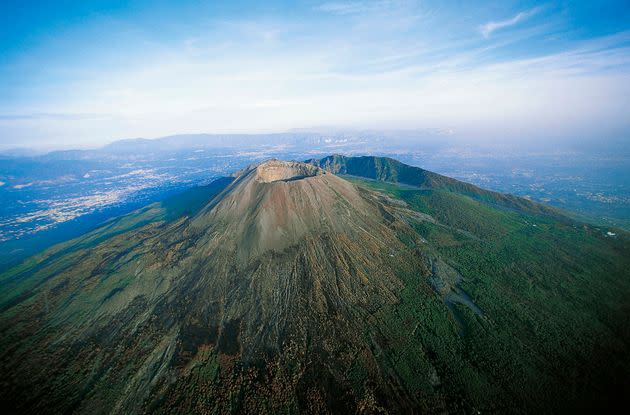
{"points": [[291, 289]]}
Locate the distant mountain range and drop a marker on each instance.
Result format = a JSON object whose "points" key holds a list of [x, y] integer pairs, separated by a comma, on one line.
{"points": [[341, 284], [142, 147], [318, 138]]}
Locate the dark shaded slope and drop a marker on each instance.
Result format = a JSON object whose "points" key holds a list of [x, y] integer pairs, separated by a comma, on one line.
{"points": [[555, 331]]}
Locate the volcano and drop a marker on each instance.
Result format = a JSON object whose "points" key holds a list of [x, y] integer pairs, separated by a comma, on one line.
{"points": [[289, 288]]}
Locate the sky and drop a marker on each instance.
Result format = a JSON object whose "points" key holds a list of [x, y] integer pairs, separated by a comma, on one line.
{"points": [[84, 73]]}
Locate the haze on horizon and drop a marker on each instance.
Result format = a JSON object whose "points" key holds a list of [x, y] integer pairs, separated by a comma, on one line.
{"points": [[78, 74]]}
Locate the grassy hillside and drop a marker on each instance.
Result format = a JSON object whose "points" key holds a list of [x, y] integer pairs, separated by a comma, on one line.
{"points": [[554, 332]]}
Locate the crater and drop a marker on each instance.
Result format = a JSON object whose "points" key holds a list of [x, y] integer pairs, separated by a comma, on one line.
{"points": [[285, 171]]}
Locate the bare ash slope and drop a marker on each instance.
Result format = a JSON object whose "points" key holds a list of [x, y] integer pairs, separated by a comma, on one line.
{"points": [[274, 205], [270, 287]]}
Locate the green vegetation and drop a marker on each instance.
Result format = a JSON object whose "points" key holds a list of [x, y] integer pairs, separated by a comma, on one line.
{"points": [[554, 296]]}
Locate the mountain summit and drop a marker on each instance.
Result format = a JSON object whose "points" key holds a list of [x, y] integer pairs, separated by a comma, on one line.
{"points": [[276, 204], [347, 285]]}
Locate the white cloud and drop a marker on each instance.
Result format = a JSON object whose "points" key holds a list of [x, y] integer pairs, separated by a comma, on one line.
{"points": [[490, 27]]}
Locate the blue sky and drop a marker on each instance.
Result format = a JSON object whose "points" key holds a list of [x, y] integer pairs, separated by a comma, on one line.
{"points": [[82, 73]]}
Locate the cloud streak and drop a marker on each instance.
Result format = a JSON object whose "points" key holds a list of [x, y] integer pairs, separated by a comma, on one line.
{"points": [[359, 7], [52, 116], [488, 28]]}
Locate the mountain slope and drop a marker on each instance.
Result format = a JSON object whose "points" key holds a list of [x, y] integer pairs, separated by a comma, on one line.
{"points": [[285, 256], [291, 289]]}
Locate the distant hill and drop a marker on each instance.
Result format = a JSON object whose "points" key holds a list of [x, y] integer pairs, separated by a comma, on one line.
{"points": [[390, 170], [340, 285]]}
